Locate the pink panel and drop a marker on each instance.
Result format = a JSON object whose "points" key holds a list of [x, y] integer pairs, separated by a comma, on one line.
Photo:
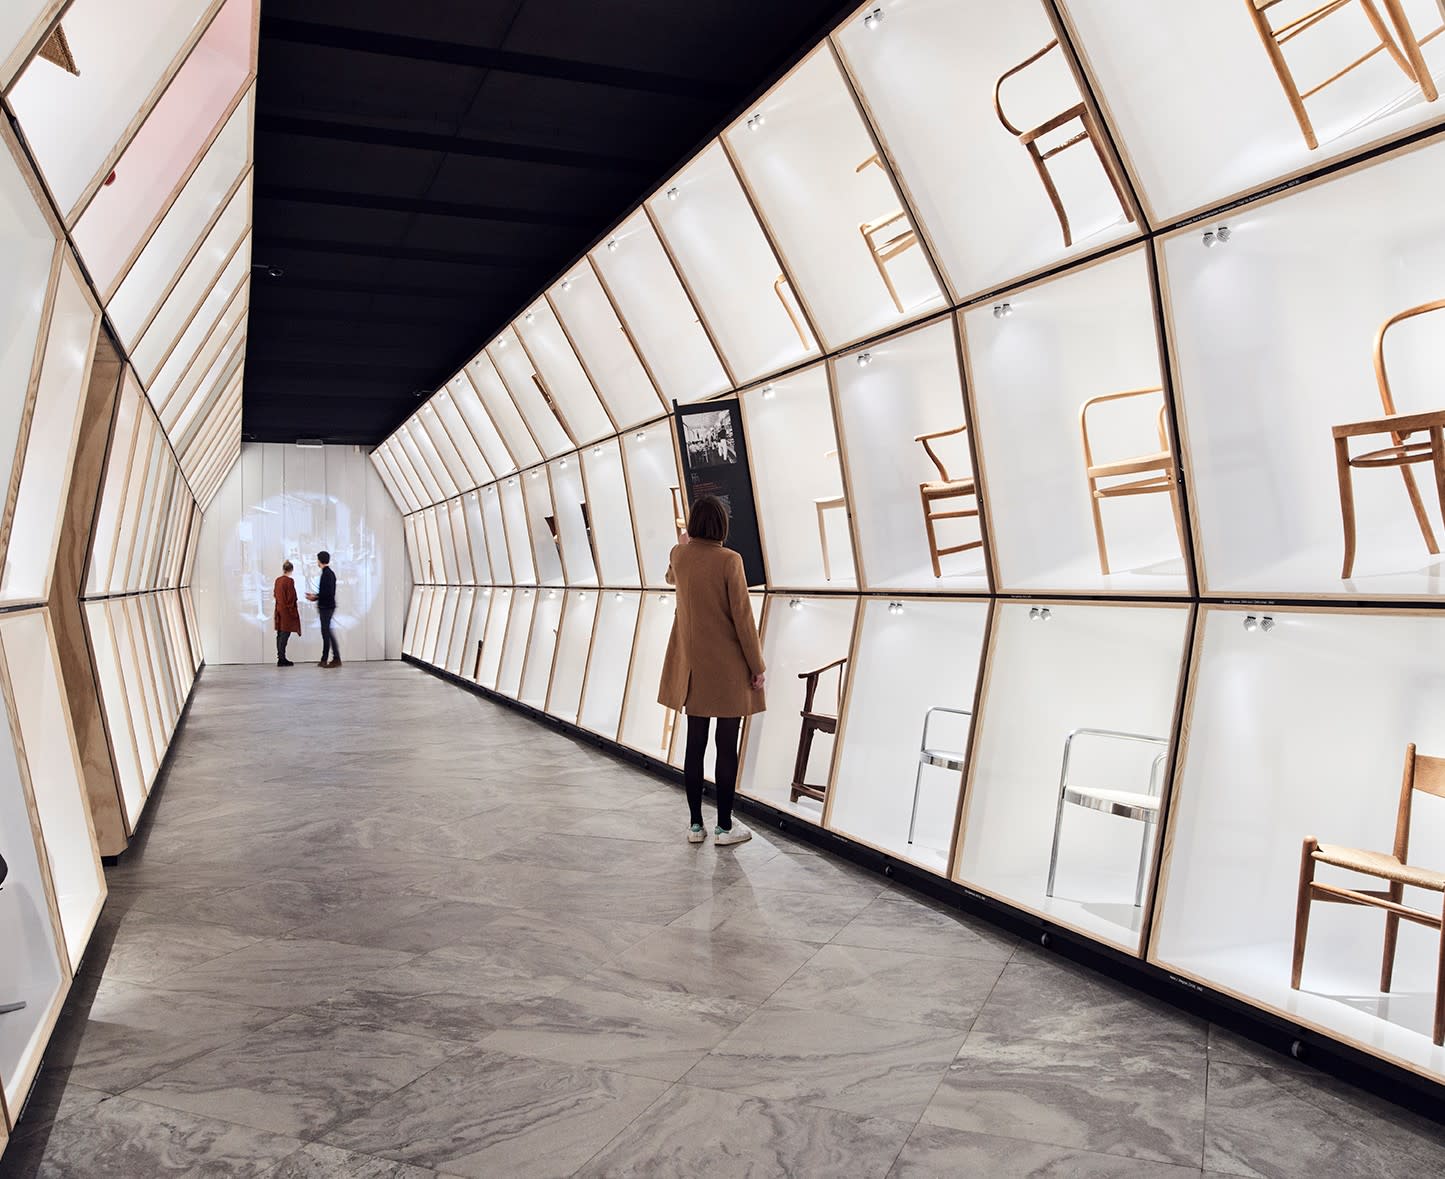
{"points": [[188, 112]]}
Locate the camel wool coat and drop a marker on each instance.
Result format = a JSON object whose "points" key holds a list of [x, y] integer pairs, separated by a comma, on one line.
{"points": [[288, 617], [713, 651]]}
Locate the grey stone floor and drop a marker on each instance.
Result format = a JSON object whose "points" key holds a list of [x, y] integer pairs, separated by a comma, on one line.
{"points": [[379, 927]]}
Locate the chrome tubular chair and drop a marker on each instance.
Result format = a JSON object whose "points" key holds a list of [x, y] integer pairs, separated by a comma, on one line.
{"points": [[1127, 804], [943, 759]]}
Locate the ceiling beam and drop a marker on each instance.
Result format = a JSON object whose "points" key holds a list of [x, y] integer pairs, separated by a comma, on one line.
{"points": [[394, 204], [316, 245]]}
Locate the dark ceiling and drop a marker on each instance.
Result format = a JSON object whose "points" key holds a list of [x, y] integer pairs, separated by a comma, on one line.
{"points": [[424, 166]]}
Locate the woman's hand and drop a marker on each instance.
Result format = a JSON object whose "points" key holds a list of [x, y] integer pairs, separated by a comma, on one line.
{"points": [[311, 597], [757, 681]]}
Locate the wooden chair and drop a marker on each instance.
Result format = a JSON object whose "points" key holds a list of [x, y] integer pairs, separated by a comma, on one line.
{"points": [[1405, 52], [1401, 454], [56, 50], [942, 490], [821, 505], [679, 513], [887, 236], [1156, 471], [1089, 132], [783, 291], [1426, 774], [814, 722]]}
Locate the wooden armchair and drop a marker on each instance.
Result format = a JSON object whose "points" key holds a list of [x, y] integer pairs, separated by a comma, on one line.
{"points": [[679, 513], [785, 295], [1088, 132], [1425, 774], [942, 490], [815, 721], [1405, 52], [1401, 453], [1156, 472], [887, 236], [822, 505]]}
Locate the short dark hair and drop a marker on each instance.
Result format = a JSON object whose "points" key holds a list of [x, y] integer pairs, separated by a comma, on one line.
{"points": [[286, 566], [708, 519], [324, 557]]}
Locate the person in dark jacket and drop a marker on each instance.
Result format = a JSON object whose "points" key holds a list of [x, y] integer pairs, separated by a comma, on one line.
{"points": [[325, 599], [288, 618]]}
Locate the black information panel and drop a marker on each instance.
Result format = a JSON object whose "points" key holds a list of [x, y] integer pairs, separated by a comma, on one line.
{"points": [[715, 462]]}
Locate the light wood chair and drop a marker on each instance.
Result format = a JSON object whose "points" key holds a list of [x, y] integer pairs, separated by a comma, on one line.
{"points": [[1425, 774], [1405, 52], [679, 513], [943, 490], [815, 721], [1157, 471], [823, 504], [887, 236], [785, 295], [1088, 132], [56, 50], [1401, 453]]}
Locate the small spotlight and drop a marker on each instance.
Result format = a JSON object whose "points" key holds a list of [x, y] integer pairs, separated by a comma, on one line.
{"points": [[1210, 240], [895, 607], [617, 597], [795, 604], [873, 19], [769, 393], [1266, 624], [612, 245], [530, 317], [551, 594], [1002, 310], [566, 284], [756, 121], [597, 452], [1223, 233], [672, 193], [512, 482], [1251, 622], [641, 435], [536, 474], [563, 464], [502, 343], [864, 359]]}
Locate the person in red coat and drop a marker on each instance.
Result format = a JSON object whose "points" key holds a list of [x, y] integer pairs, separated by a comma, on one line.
{"points": [[288, 617]]}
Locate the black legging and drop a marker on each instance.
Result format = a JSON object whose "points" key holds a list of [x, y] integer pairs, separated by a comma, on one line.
{"points": [[726, 775], [282, 638], [330, 649]]}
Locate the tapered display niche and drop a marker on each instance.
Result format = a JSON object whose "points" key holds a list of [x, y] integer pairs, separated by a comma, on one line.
{"points": [[1073, 435], [414, 445], [503, 413], [487, 662], [1280, 368], [608, 514], [560, 374], [117, 704], [530, 394], [1299, 726], [802, 511], [603, 345], [476, 629], [542, 526], [646, 725], [574, 641], [468, 572], [496, 530], [461, 627], [1158, 69], [477, 536], [1070, 761], [514, 650], [679, 744], [570, 518], [475, 417], [892, 399], [452, 472], [444, 600], [905, 740], [606, 679], [960, 90], [825, 192], [657, 501], [704, 216], [660, 317], [459, 429], [788, 750], [541, 647]]}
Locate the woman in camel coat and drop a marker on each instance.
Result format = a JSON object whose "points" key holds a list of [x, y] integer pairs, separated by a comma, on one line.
{"points": [[288, 617], [714, 665]]}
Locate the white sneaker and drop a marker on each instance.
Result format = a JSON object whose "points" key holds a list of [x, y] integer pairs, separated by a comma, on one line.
{"points": [[737, 833], [697, 833]]}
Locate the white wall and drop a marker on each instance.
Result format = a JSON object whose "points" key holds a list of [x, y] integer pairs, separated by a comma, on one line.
{"points": [[282, 501]]}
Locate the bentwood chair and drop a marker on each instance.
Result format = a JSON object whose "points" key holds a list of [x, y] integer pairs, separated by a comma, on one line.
{"points": [[943, 490], [1088, 131], [1405, 52], [1401, 453], [936, 757], [1427, 775], [1118, 800], [886, 236], [7, 1008], [815, 721], [1152, 474]]}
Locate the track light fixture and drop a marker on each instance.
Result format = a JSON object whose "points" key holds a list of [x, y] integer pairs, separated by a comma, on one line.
{"points": [[769, 393], [873, 19], [1002, 310], [795, 604], [895, 608], [672, 193], [566, 284], [1217, 237], [755, 122], [864, 359], [612, 245], [1040, 613], [530, 317]]}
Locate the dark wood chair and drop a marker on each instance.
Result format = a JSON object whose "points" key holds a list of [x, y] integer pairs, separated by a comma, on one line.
{"points": [[942, 490], [815, 721], [1426, 774]]}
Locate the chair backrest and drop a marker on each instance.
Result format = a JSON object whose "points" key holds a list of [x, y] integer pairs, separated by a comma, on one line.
{"points": [[928, 439], [1387, 397], [1426, 774], [1005, 76], [1107, 397]]}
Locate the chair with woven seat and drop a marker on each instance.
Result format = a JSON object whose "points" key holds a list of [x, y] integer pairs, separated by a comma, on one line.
{"points": [[815, 721], [7, 1008], [1152, 473], [1088, 132], [1405, 52], [1401, 453], [1140, 806], [942, 490], [886, 236], [1427, 775]]}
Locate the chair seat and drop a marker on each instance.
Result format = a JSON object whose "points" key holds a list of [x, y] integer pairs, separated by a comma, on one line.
{"points": [[829, 501], [944, 759], [952, 487], [1127, 804], [1381, 864], [1163, 461]]}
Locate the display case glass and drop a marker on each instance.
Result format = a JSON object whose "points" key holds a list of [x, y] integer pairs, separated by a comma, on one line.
{"points": [[494, 635], [660, 317], [646, 725], [606, 678], [530, 394], [506, 418], [444, 622], [541, 646], [440, 447], [514, 651], [1299, 723], [892, 398], [904, 745], [396, 487], [798, 482], [470, 635], [519, 541], [410, 630], [497, 556], [426, 476], [1073, 435], [709, 226], [479, 421], [603, 344], [477, 537], [467, 572], [788, 750], [657, 500], [825, 192], [959, 90], [574, 642], [561, 373], [1071, 756], [1307, 84], [569, 515], [546, 537], [1289, 355], [215, 330], [460, 433], [115, 703], [609, 513]]}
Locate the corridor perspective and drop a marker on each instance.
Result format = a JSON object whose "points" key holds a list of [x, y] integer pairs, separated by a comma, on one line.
{"points": [[380, 927]]}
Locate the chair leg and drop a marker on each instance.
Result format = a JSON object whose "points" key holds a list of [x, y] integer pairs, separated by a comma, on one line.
{"points": [[1052, 190], [1178, 517], [1099, 529], [1347, 502], [1406, 52], [823, 544], [932, 537], [1437, 464], [1143, 864], [882, 269], [7, 1008], [917, 787], [1412, 489], [800, 766], [1286, 78], [1054, 851], [1091, 126], [1392, 933], [1440, 987], [1302, 909]]}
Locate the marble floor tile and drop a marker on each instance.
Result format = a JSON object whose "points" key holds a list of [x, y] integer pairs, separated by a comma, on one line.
{"points": [[402, 921], [743, 908], [316, 1160], [143, 947], [705, 962], [936, 1152], [896, 921], [486, 1114], [844, 1062], [691, 1132], [298, 1076], [287, 973], [817, 874]]}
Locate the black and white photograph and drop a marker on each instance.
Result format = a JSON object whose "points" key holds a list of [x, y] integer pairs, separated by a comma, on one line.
{"points": [[710, 439]]}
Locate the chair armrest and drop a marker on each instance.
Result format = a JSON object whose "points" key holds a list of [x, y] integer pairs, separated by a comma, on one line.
{"points": [[1382, 379], [1100, 400], [1004, 77], [940, 434], [928, 716], [826, 667], [1115, 735]]}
